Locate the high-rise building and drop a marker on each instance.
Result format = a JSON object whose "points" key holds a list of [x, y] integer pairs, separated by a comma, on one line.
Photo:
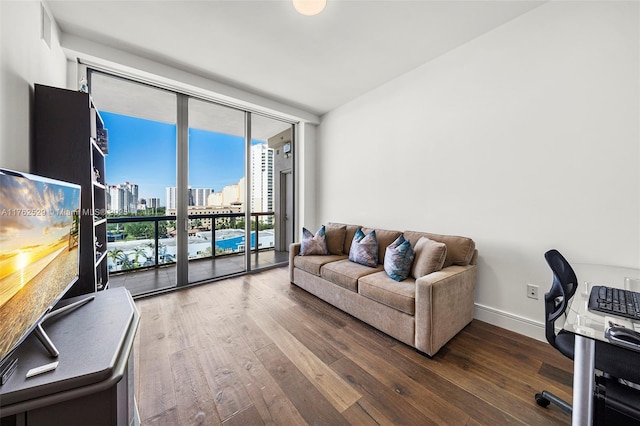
{"points": [[215, 199], [197, 197], [230, 195], [153, 203], [131, 197], [262, 179], [123, 198], [171, 198], [115, 200], [200, 196]]}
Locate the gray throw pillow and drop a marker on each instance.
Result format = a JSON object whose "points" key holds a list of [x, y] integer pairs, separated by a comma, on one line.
{"points": [[398, 259], [430, 256], [364, 249], [313, 244]]}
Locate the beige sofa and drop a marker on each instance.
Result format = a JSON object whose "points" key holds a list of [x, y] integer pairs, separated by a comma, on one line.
{"points": [[424, 313]]}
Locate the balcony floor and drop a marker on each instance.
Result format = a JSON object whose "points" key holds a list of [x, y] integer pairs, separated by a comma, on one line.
{"points": [[146, 281]]}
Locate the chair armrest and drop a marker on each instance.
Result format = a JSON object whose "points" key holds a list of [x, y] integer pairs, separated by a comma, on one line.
{"points": [[294, 250], [444, 305]]}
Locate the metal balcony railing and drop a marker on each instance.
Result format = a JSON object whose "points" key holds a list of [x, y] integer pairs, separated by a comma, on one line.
{"points": [[125, 256]]}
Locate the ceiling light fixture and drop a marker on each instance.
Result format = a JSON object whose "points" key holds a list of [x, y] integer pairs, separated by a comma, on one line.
{"points": [[309, 7]]}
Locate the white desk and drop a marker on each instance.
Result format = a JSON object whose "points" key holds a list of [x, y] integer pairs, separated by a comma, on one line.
{"points": [[588, 327]]}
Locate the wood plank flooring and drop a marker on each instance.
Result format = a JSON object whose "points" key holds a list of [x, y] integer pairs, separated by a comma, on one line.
{"points": [[256, 350]]}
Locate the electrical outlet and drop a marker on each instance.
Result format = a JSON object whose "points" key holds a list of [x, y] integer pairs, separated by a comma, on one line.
{"points": [[532, 291]]}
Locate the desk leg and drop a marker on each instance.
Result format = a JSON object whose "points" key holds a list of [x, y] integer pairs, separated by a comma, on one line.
{"points": [[583, 376]]}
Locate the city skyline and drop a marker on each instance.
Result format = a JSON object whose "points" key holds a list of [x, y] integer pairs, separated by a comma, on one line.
{"points": [[215, 159], [122, 198]]}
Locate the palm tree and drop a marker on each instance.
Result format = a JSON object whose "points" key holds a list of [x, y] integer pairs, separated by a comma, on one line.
{"points": [[137, 252], [118, 256]]}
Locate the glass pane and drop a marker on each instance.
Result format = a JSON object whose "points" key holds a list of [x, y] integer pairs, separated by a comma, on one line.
{"points": [[139, 168], [216, 190], [271, 191]]}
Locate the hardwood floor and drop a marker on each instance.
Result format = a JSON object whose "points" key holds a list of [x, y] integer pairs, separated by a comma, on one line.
{"points": [[256, 350]]}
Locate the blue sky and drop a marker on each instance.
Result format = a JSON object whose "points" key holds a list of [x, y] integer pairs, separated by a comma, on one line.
{"points": [[144, 152]]}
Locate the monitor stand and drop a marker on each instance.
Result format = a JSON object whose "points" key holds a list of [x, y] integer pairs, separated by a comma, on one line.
{"points": [[42, 335]]}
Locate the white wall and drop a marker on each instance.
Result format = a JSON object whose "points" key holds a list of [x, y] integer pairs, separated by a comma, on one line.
{"points": [[525, 139], [305, 175], [25, 59]]}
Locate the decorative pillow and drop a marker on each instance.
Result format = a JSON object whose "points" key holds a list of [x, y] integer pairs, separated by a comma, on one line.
{"points": [[430, 256], [335, 238], [311, 244], [398, 259], [364, 249], [384, 237]]}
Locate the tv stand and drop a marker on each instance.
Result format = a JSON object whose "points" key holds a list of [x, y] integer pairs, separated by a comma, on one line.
{"points": [[93, 383], [42, 335]]}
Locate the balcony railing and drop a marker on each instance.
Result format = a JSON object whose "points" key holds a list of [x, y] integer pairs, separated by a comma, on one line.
{"points": [[154, 245]]}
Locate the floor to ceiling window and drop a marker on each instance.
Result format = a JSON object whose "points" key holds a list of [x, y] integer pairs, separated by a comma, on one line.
{"points": [[217, 195], [141, 122], [271, 168], [198, 190]]}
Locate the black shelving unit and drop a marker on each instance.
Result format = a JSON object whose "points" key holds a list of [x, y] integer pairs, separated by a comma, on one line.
{"points": [[67, 131]]}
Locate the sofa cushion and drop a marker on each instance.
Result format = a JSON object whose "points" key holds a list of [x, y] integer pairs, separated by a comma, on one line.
{"points": [[459, 249], [430, 256], [398, 259], [348, 237], [313, 263], [346, 273], [384, 239], [313, 244], [364, 249], [335, 234], [381, 288]]}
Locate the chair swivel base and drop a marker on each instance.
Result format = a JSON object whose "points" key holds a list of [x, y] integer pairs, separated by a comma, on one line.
{"points": [[545, 398]]}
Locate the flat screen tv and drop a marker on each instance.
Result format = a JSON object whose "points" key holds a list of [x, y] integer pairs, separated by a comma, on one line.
{"points": [[39, 251]]}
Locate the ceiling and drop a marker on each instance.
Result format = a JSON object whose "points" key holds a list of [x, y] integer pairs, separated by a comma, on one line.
{"points": [[125, 97], [265, 47]]}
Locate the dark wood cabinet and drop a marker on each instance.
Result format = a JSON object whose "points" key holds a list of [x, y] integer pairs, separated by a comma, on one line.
{"points": [[93, 383], [67, 126]]}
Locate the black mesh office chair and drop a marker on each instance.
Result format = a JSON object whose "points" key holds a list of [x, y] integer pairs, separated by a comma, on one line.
{"points": [[612, 360]]}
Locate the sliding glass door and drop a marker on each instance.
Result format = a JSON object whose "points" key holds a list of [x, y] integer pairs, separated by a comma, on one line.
{"points": [[271, 170], [140, 169], [217, 190], [198, 190]]}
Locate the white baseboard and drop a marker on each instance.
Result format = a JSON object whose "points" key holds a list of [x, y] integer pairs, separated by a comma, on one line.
{"points": [[515, 323]]}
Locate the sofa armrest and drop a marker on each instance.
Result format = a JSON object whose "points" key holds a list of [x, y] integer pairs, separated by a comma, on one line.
{"points": [[444, 305], [294, 250]]}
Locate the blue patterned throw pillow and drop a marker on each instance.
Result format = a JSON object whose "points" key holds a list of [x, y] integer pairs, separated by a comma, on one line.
{"points": [[313, 244], [364, 249], [398, 259]]}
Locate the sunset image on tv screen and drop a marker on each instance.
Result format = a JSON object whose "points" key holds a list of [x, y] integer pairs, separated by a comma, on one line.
{"points": [[39, 226]]}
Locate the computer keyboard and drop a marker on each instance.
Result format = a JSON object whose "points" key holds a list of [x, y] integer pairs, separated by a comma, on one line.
{"points": [[615, 301]]}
